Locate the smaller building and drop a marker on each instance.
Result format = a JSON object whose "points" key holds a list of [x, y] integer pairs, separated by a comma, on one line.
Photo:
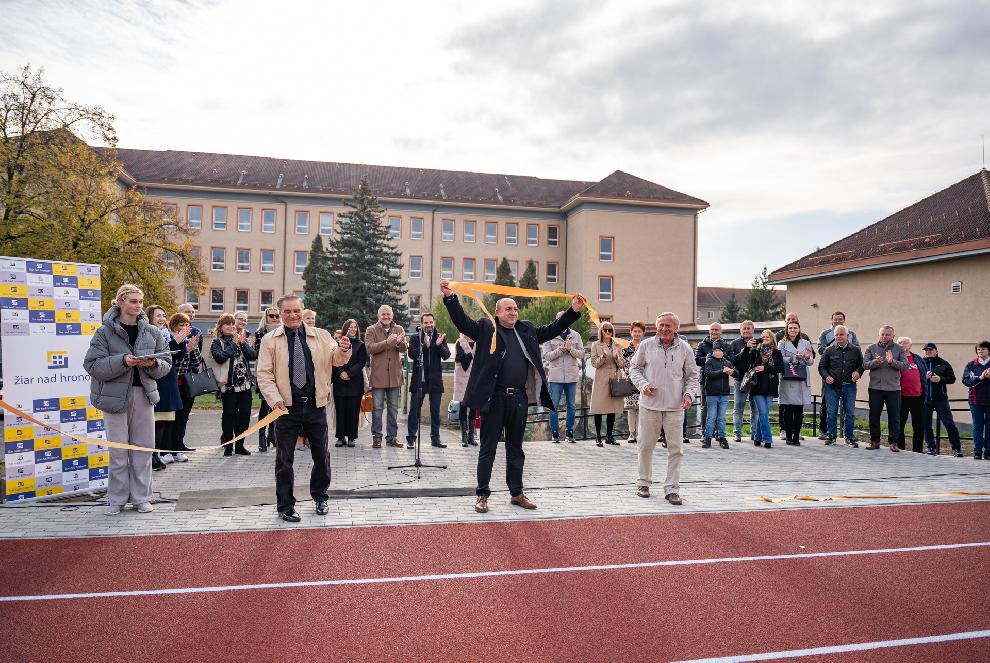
{"points": [[712, 300]]}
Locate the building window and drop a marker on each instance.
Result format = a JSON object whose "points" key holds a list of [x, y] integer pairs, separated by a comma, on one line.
{"points": [[267, 220], [447, 230], [469, 229], [416, 228], [514, 269], [512, 234], [711, 315], [194, 217], [490, 267], [218, 258], [244, 260], [302, 222], [553, 235], [169, 259], [491, 232], [243, 220], [415, 267], [415, 305], [216, 300], [192, 297], [266, 299], [604, 288], [197, 255], [605, 248], [397, 266], [219, 218], [241, 300], [532, 234], [395, 226], [467, 269], [267, 261], [446, 268], [552, 272], [301, 259], [326, 223], [170, 213]]}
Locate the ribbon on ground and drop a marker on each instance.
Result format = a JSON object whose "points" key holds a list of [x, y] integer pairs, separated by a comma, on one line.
{"points": [[472, 289], [275, 414], [812, 498]]}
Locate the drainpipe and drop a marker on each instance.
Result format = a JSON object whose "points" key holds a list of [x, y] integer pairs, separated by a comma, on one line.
{"points": [[285, 238], [433, 240]]}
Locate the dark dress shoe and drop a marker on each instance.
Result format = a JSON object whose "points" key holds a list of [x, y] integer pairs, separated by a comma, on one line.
{"points": [[673, 498], [290, 516], [523, 501], [228, 450], [241, 451], [438, 445], [340, 443], [185, 449], [322, 508]]}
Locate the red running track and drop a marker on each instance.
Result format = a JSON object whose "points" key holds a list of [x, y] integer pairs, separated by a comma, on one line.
{"points": [[655, 613]]}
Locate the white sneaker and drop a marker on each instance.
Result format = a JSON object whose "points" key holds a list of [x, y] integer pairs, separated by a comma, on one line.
{"points": [[180, 458], [112, 510], [783, 435], [145, 507], [167, 459]]}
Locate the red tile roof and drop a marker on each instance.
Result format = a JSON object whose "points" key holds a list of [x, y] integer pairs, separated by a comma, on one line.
{"points": [[954, 220], [251, 173]]}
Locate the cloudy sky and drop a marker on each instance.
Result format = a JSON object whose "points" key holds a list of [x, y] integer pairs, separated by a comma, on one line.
{"points": [[799, 122]]}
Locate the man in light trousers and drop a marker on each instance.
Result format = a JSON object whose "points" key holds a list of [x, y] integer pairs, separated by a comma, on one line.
{"points": [[664, 371]]}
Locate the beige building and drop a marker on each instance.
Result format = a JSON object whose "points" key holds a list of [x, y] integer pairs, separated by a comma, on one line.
{"points": [[925, 270], [256, 218], [712, 301]]}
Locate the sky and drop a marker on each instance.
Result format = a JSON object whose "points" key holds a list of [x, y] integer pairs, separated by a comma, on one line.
{"points": [[798, 122]]}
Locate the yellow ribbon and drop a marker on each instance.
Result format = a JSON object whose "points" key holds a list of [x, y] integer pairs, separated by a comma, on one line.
{"points": [[811, 498], [472, 289], [275, 414]]}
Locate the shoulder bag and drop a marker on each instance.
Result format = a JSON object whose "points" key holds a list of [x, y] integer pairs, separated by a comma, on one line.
{"points": [[204, 382], [795, 371]]}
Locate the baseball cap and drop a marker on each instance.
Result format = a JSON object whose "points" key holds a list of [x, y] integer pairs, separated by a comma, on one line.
{"points": [[930, 346]]}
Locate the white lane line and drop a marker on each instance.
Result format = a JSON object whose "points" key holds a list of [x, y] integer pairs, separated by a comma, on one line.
{"points": [[484, 574], [842, 649]]}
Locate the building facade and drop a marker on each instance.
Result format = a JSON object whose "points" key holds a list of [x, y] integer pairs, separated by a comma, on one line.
{"points": [[255, 219]]}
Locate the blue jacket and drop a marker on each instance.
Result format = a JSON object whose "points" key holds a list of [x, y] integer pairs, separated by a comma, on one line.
{"points": [[168, 386], [979, 390]]}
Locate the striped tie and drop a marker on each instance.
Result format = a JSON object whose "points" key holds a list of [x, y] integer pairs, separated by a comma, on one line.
{"points": [[299, 362]]}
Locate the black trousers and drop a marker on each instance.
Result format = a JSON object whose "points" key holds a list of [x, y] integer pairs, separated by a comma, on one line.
{"points": [[822, 415], [506, 412], [163, 436], [348, 410], [465, 415], [609, 424], [892, 401], [943, 408], [311, 422], [181, 419], [914, 406], [415, 407], [263, 411], [791, 418], [236, 414]]}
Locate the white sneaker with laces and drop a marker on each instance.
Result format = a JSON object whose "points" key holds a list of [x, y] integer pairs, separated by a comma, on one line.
{"points": [[145, 507], [112, 510], [166, 458], [180, 458]]}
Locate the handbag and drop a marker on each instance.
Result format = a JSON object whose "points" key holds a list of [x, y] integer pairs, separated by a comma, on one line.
{"points": [[621, 386], [794, 371], [204, 382], [748, 381], [366, 403]]}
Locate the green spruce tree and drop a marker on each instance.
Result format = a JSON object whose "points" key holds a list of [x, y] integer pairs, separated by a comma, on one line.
{"points": [[316, 280], [763, 305], [529, 280], [363, 267], [732, 312], [503, 276], [544, 310]]}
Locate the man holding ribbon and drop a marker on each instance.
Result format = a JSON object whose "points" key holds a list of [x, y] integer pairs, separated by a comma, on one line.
{"points": [[294, 369], [505, 382]]}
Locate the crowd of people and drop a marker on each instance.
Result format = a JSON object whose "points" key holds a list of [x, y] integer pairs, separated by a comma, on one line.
{"points": [[147, 369]]}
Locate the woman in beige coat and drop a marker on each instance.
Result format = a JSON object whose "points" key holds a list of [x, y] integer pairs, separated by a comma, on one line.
{"points": [[606, 357]]}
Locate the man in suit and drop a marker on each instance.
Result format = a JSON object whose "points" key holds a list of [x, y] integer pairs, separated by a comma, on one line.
{"points": [[503, 385], [294, 368], [427, 349]]}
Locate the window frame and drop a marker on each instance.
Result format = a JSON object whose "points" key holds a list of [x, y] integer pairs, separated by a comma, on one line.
{"points": [[250, 220], [223, 300], [451, 259], [514, 240], [494, 270], [611, 257], [391, 232], [224, 260], [443, 230], [412, 228], [261, 261], [237, 261], [415, 313], [237, 305], [415, 256], [274, 220], [191, 297], [611, 281], [261, 300], [556, 272], [495, 224], [474, 231], [213, 218], [295, 262], [513, 272], [554, 242], [199, 222], [529, 240], [319, 220], [295, 221], [464, 269]]}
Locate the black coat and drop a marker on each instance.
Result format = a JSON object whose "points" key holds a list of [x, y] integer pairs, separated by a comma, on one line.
{"points": [[767, 381], [841, 363], [935, 391], [481, 384], [354, 385], [433, 363], [463, 357], [224, 350], [716, 382]]}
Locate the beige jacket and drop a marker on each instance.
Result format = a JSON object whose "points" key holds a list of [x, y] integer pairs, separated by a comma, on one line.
{"points": [[386, 359], [272, 370], [671, 370], [563, 366]]}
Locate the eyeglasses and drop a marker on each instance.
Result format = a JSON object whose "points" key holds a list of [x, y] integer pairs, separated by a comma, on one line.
{"points": [[274, 316]]}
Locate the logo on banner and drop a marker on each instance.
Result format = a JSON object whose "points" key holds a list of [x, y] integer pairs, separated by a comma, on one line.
{"points": [[58, 359]]}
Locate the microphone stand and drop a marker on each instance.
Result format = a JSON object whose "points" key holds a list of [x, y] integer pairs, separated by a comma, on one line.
{"points": [[421, 377]]}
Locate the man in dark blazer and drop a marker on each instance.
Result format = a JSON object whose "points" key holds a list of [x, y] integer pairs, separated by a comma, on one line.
{"points": [[427, 349], [503, 385]]}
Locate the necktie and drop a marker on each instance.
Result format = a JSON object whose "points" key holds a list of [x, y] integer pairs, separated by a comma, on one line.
{"points": [[298, 362]]}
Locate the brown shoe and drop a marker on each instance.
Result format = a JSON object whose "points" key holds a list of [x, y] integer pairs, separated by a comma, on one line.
{"points": [[377, 444], [643, 491], [673, 498], [873, 445], [481, 505], [392, 442], [523, 501], [893, 446]]}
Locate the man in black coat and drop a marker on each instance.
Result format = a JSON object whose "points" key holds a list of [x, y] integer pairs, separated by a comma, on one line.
{"points": [[427, 349], [503, 385]]}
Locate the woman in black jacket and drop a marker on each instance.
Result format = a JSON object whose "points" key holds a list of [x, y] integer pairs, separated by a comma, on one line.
{"points": [[349, 387], [269, 322], [232, 351], [763, 356]]}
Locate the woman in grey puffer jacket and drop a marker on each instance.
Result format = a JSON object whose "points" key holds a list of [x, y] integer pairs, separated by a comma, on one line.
{"points": [[125, 389]]}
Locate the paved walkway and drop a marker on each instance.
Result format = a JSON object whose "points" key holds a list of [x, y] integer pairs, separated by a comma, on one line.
{"points": [[566, 480]]}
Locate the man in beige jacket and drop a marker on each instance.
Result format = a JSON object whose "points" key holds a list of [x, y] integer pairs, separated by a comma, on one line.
{"points": [[385, 342], [294, 370], [664, 371]]}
